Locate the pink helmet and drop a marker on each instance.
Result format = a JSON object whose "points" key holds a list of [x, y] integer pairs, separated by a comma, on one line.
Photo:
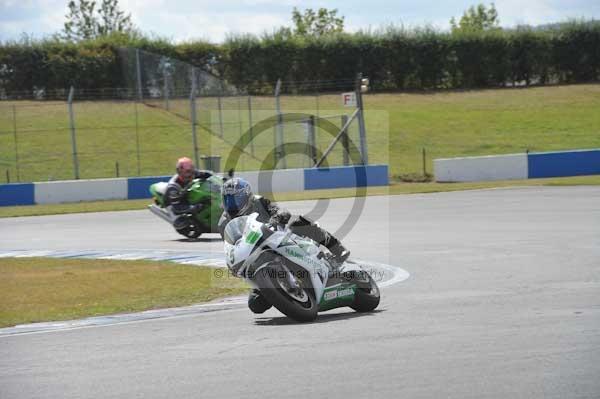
{"points": [[185, 169]]}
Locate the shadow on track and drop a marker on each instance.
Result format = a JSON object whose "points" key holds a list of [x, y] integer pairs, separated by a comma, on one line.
{"points": [[199, 239], [323, 318]]}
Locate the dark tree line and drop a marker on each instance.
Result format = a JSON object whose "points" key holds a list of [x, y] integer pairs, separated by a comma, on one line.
{"points": [[394, 60]]}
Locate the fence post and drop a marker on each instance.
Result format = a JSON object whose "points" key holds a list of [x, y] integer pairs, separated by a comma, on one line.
{"points": [[194, 119], [73, 135], [424, 162], [279, 151], [251, 128], [137, 138], [14, 110], [7, 176], [138, 69], [337, 138], [239, 107], [220, 105], [311, 139], [166, 88], [345, 143], [361, 122]]}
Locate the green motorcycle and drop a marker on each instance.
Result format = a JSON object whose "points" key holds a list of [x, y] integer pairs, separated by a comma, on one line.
{"points": [[205, 192]]}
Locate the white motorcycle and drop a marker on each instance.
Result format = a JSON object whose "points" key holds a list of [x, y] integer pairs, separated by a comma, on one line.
{"points": [[292, 273]]}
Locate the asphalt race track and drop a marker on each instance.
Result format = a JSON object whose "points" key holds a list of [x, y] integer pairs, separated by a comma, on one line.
{"points": [[503, 301]]}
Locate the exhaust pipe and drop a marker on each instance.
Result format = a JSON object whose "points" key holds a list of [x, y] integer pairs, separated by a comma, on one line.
{"points": [[161, 213]]}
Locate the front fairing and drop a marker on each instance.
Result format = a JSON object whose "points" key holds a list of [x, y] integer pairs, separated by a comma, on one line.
{"points": [[238, 254], [207, 192], [157, 190], [306, 257], [243, 255]]}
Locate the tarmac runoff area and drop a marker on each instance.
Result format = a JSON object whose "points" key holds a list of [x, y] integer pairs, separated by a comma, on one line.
{"points": [[503, 300]]}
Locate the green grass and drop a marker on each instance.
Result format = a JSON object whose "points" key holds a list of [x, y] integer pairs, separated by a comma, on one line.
{"points": [[399, 126], [394, 189], [486, 122], [76, 207], [44, 289]]}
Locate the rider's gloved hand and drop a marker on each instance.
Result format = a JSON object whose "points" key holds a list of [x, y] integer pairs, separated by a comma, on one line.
{"points": [[280, 218], [301, 221]]}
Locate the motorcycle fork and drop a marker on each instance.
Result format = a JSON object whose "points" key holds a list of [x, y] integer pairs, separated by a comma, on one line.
{"points": [[292, 281]]}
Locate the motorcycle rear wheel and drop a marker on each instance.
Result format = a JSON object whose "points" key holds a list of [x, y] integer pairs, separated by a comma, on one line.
{"points": [[300, 306], [366, 297]]}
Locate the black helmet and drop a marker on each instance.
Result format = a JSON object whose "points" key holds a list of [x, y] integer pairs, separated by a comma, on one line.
{"points": [[236, 193]]}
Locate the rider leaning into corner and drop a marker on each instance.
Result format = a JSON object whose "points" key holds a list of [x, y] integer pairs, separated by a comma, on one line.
{"points": [[175, 195], [238, 200]]}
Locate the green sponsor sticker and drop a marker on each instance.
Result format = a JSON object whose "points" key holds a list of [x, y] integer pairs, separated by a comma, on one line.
{"points": [[253, 237], [293, 253], [334, 294]]}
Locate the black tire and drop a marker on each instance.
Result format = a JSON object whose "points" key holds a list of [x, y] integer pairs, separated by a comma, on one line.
{"points": [[367, 297], [271, 289], [192, 230]]}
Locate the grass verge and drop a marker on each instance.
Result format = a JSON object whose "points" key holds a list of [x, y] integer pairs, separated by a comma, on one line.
{"points": [[76, 207], [48, 289], [394, 189], [134, 139]]}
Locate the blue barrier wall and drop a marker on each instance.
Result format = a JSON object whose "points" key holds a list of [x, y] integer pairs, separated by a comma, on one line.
{"points": [[17, 194], [560, 164], [139, 187], [534, 165], [345, 176]]}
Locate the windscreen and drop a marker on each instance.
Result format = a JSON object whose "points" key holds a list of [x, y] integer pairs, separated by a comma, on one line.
{"points": [[235, 229]]}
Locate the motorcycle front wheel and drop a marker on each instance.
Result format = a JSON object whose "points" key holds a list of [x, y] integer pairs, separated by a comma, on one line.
{"points": [[292, 296], [192, 230]]}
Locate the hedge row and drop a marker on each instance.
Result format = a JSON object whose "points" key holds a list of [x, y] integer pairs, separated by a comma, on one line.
{"points": [[424, 59], [394, 60], [53, 66]]}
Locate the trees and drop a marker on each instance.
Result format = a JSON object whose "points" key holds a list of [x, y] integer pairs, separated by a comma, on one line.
{"points": [[86, 21], [80, 21], [322, 22], [477, 19], [112, 19]]}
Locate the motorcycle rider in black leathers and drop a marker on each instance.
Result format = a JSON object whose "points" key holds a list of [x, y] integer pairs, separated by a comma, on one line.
{"points": [[175, 195], [238, 200]]}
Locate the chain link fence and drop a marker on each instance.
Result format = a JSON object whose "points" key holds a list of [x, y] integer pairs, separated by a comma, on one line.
{"points": [[171, 109]]}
